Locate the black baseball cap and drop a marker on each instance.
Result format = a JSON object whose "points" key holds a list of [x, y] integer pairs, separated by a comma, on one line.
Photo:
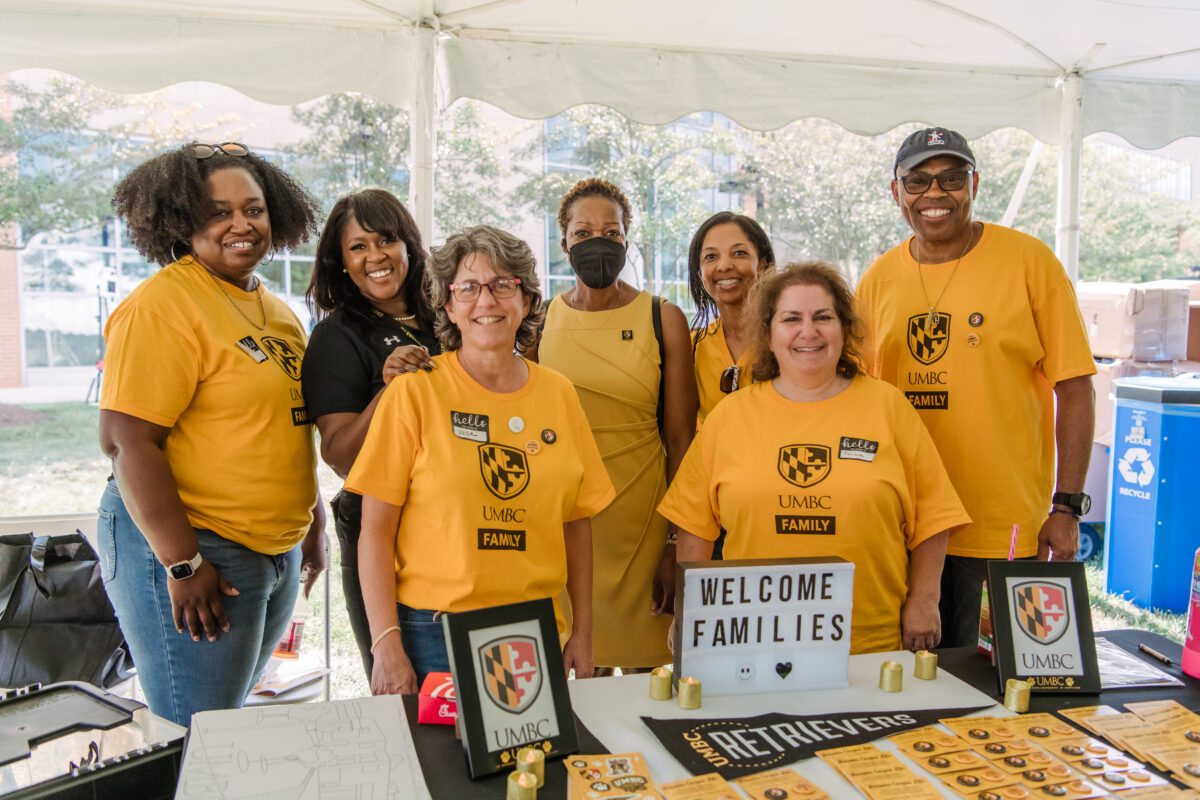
{"points": [[930, 143]]}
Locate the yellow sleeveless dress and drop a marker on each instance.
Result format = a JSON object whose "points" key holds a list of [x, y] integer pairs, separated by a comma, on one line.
{"points": [[612, 358], [712, 357]]}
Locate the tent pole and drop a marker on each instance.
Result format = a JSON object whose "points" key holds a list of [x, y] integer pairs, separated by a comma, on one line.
{"points": [[1066, 237], [423, 131]]}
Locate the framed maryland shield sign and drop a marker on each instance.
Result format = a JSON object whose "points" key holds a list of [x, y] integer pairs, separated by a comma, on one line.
{"points": [[1042, 621], [511, 684]]}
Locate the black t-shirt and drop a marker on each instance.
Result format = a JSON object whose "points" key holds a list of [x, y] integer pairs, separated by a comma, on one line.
{"points": [[343, 364]]}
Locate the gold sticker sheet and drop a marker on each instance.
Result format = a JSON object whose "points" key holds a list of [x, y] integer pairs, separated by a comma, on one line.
{"points": [[609, 776], [702, 787], [1161, 732], [778, 784]]}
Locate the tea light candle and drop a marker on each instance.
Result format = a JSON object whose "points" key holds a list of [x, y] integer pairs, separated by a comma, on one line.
{"points": [[926, 665], [1016, 695], [891, 676], [533, 761], [689, 693], [522, 785], [660, 684]]}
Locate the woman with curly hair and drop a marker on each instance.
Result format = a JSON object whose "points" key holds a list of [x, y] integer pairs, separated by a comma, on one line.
{"points": [[726, 257], [212, 508], [479, 478], [818, 459], [628, 355], [368, 287]]}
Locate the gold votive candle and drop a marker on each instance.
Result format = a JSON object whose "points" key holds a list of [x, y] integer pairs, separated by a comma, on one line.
{"points": [[689, 693], [891, 676], [660, 684], [1016, 695], [522, 785], [926, 665], [532, 760]]}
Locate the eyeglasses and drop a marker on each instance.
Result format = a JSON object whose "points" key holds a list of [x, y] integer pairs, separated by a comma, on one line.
{"points": [[499, 287], [950, 181], [235, 149], [729, 379]]}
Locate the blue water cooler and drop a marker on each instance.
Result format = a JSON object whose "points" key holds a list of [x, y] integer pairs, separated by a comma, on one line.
{"points": [[1153, 519]]}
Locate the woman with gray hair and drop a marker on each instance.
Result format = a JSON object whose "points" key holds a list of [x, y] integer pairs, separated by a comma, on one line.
{"points": [[479, 478]]}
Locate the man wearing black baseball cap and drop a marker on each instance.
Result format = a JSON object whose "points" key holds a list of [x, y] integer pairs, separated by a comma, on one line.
{"points": [[978, 325]]}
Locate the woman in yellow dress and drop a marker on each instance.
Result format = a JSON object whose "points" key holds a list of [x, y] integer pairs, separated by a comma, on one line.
{"points": [[638, 391], [727, 255]]}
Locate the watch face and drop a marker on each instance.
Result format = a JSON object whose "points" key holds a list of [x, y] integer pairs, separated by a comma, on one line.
{"points": [[1085, 503], [181, 571]]}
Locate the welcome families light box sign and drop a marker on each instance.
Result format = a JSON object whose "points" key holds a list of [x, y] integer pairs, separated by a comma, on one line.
{"points": [[764, 625]]}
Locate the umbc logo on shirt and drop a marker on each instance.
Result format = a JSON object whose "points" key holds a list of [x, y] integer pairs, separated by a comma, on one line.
{"points": [[511, 672], [804, 465], [504, 469], [283, 355], [927, 346]]}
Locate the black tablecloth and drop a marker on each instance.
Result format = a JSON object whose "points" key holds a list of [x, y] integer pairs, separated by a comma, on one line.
{"points": [[445, 765], [966, 664]]}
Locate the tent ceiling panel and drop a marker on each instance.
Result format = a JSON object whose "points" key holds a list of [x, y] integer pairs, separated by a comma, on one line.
{"points": [[866, 64]]}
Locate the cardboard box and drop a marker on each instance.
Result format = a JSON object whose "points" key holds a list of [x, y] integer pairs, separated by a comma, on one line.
{"points": [[1145, 321], [1109, 370], [1193, 345], [437, 703]]}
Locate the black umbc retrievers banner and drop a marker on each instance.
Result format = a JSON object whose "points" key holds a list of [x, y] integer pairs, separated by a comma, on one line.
{"points": [[745, 745]]}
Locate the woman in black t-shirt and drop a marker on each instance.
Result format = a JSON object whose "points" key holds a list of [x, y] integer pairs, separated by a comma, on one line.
{"points": [[368, 289]]}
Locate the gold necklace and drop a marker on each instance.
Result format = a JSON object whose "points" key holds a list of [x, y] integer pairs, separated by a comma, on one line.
{"points": [[237, 308], [405, 318], [933, 317]]}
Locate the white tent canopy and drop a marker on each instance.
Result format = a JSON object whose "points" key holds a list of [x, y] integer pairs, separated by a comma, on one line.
{"points": [[1060, 69]]}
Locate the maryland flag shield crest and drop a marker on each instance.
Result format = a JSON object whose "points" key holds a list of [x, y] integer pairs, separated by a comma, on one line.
{"points": [[511, 672], [927, 346], [505, 470], [1041, 610], [804, 465]]}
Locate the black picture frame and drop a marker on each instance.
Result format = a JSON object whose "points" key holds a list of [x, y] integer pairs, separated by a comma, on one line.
{"points": [[1029, 645], [492, 734]]}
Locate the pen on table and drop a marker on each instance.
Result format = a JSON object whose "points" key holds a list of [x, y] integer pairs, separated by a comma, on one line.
{"points": [[1150, 651]]}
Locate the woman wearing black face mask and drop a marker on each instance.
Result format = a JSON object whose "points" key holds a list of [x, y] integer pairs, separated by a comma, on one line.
{"points": [[632, 366]]}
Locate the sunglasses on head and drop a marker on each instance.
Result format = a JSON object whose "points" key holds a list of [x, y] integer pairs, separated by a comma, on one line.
{"points": [[235, 149]]}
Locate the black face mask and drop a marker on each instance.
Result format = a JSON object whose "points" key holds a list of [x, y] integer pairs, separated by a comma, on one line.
{"points": [[597, 261]]}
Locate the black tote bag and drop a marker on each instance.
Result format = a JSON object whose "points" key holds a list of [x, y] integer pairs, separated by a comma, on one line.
{"points": [[56, 623]]}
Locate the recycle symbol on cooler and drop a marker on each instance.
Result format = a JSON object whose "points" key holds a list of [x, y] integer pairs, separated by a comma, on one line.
{"points": [[1135, 466]]}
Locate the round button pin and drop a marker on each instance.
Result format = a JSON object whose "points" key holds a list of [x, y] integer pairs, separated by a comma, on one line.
{"points": [[516, 424]]}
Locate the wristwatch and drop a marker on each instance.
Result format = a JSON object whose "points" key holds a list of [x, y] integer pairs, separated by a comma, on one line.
{"points": [[181, 570], [1079, 503]]}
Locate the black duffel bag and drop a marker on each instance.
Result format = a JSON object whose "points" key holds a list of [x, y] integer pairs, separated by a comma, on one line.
{"points": [[56, 623]]}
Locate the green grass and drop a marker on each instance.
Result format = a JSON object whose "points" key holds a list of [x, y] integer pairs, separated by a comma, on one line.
{"points": [[55, 466]]}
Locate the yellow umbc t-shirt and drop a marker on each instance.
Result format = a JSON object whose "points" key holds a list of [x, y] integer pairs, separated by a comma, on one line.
{"points": [[486, 481], [1010, 329], [854, 476], [712, 357], [179, 355]]}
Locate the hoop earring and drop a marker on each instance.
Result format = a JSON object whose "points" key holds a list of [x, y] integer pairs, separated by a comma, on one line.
{"points": [[172, 251], [270, 258]]}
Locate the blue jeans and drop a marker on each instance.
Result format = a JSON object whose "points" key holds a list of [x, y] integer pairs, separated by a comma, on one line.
{"points": [[178, 675], [423, 640]]}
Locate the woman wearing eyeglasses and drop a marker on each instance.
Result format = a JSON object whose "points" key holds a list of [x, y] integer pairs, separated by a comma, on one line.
{"points": [[726, 257], [212, 509], [627, 354], [818, 459], [368, 284], [479, 478]]}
